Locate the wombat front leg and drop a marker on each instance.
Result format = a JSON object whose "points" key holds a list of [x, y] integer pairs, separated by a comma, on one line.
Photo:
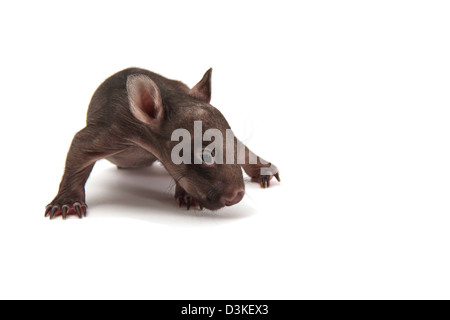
{"points": [[260, 170], [88, 146]]}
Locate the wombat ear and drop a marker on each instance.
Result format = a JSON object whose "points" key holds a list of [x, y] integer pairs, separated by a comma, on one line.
{"points": [[145, 99], [202, 90]]}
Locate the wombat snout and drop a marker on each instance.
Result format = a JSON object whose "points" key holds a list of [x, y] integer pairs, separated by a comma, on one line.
{"points": [[234, 198]]}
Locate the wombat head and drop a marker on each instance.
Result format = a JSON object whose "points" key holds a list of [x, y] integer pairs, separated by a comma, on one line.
{"points": [[194, 140]]}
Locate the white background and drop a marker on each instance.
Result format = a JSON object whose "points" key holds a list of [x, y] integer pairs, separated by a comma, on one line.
{"points": [[350, 99]]}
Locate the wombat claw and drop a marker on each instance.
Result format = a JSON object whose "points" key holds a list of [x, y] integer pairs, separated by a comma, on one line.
{"points": [[264, 181], [53, 210], [188, 201], [277, 176]]}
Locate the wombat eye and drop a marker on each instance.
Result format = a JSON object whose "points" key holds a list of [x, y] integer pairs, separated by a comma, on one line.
{"points": [[207, 158]]}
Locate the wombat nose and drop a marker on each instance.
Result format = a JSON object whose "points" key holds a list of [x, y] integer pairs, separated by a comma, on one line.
{"points": [[234, 198]]}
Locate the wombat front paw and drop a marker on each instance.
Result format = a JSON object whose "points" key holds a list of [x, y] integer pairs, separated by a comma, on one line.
{"points": [[55, 209], [264, 180], [183, 199], [189, 202]]}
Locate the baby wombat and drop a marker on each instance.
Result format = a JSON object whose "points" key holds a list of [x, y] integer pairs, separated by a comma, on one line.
{"points": [[137, 117]]}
